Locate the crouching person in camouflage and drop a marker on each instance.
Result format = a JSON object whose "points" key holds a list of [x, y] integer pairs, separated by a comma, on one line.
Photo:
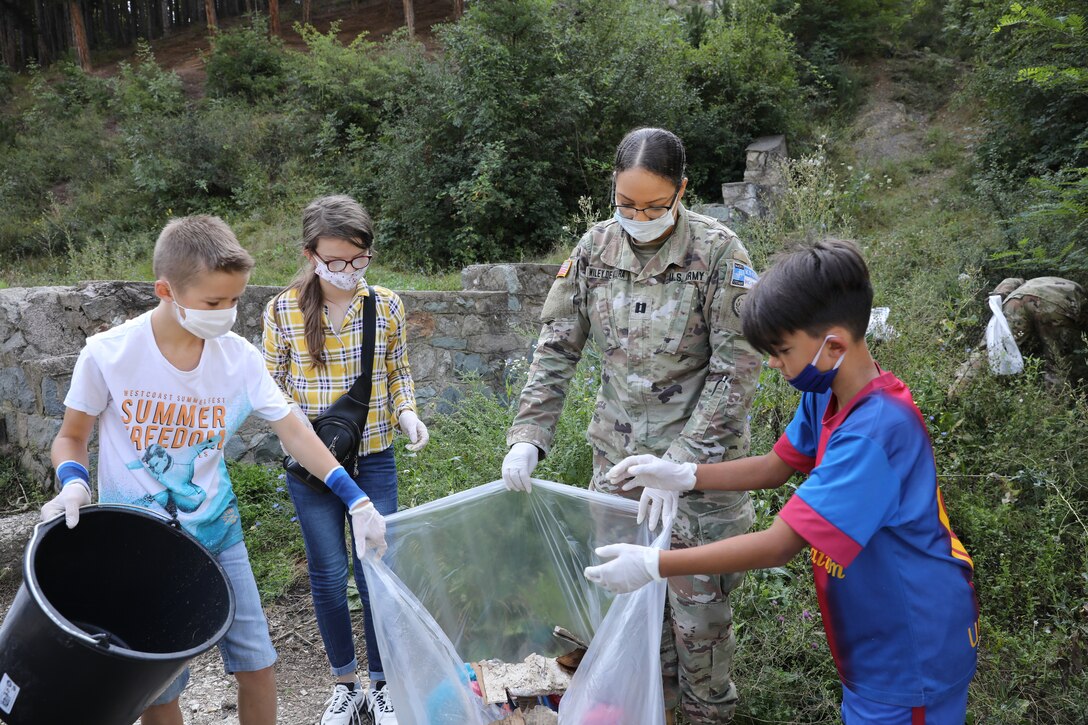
{"points": [[1048, 317], [659, 290]]}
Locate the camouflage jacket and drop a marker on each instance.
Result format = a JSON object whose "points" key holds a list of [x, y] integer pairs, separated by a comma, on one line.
{"points": [[677, 376]]}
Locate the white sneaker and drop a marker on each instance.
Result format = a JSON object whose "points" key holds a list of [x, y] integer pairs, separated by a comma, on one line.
{"points": [[345, 706], [380, 706]]}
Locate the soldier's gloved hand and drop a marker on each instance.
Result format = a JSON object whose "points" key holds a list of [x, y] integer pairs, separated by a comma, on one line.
{"points": [[75, 491], [415, 430], [518, 466], [653, 472], [660, 505], [634, 567], [368, 528]]}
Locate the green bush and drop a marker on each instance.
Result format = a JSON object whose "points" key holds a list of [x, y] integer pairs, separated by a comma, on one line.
{"points": [[348, 84], [245, 61], [146, 88], [462, 177], [745, 76]]}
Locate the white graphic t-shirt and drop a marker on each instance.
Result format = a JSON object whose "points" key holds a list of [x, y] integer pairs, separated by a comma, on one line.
{"points": [[162, 431]]}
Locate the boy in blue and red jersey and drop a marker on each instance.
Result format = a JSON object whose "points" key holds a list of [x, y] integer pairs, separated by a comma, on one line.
{"points": [[893, 580]]}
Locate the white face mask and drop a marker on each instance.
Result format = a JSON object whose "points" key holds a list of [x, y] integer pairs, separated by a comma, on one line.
{"points": [[206, 324], [341, 280], [649, 230]]}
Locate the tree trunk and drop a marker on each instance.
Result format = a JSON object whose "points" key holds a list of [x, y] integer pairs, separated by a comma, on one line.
{"points": [[306, 7], [209, 13], [410, 18], [274, 17], [458, 8], [79, 35]]}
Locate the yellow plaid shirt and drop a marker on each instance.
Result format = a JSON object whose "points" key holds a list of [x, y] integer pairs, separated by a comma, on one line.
{"points": [[314, 389]]}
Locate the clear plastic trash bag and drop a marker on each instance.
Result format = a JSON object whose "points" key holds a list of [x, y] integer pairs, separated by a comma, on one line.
{"points": [[1001, 348], [487, 574]]}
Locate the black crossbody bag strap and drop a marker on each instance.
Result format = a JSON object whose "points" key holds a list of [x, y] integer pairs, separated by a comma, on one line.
{"points": [[345, 420], [360, 389]]}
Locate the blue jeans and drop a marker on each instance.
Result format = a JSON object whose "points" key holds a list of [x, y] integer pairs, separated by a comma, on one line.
{"points": [[322, 517]]}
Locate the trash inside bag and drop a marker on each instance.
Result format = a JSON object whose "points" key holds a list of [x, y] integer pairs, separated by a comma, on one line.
{"points": [[489, 574]]}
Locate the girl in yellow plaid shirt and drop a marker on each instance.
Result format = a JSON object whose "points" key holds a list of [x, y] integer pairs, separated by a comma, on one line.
{"points": [[313, 340]]}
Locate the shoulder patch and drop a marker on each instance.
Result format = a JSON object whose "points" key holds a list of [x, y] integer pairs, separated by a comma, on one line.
{"points": [[564, 269], [738, 302], [743, 276]]}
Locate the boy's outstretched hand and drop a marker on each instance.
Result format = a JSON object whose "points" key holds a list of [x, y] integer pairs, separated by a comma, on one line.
{"points": [[368, 528], [653, 472], [634, 567], [67, 502]]}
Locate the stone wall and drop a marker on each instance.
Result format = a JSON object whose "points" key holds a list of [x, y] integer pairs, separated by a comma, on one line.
{"points": [[42, 329]]}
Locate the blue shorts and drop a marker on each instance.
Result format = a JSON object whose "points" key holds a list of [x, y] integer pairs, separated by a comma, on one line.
{"points": [[949, 710], [247, 646]]}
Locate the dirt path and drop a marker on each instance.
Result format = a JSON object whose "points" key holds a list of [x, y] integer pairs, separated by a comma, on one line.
{"points": [[302, 673]]}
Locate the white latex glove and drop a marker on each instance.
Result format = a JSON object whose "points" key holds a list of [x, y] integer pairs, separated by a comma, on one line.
{"points": [[660, 505], [72, 495], [368, 528], [653, 472], [297, 412], [634, 567], [415, 430], [518, 466]]}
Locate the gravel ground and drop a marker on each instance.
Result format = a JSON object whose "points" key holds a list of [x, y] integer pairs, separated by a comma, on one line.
{"points": [[302, 672]]}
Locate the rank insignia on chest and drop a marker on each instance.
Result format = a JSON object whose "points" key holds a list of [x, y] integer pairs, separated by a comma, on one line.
{"points": [[564, 269], [743, 276]]}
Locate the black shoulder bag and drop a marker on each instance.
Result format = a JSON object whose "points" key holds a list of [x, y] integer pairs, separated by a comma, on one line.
{"points": [[341, 426]]}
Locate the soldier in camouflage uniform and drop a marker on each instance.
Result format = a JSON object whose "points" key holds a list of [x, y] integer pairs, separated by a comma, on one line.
{"points": [[677, 381], [1048, 316]]}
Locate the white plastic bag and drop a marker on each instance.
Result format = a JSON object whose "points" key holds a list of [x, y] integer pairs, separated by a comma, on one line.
{"points": [[878, 327], [619, 680], [487, 574], [1001, 348]]}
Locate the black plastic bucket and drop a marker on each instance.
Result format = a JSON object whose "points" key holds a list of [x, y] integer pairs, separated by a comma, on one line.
{"points": [[107, 616]]}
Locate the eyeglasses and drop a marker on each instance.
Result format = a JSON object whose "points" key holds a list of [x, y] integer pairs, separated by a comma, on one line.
{"points": [[359, 261], [628, 211]]}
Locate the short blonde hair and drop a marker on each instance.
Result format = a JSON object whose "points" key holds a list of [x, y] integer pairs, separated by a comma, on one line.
{"points": [[195, 245]]}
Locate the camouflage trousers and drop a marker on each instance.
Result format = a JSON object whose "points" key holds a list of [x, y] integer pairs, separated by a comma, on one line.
{"points": [[697, 642]]}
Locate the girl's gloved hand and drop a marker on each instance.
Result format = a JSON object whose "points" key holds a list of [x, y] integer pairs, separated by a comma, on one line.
{"points": [[415, 430]]}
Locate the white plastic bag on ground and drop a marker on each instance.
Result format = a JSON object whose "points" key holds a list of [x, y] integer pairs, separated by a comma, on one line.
{"points": [[1001, 348], [878, 327], [487, 574]]}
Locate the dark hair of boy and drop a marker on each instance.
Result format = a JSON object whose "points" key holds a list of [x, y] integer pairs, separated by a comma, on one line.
{"points": [[809, 289], [654, 149]]}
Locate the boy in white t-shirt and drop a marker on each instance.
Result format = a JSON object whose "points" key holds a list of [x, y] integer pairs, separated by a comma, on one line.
{"points": [[168, 389]]}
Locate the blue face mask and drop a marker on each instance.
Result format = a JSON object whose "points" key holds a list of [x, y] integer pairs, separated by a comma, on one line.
{"points": [[810, 379]]}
